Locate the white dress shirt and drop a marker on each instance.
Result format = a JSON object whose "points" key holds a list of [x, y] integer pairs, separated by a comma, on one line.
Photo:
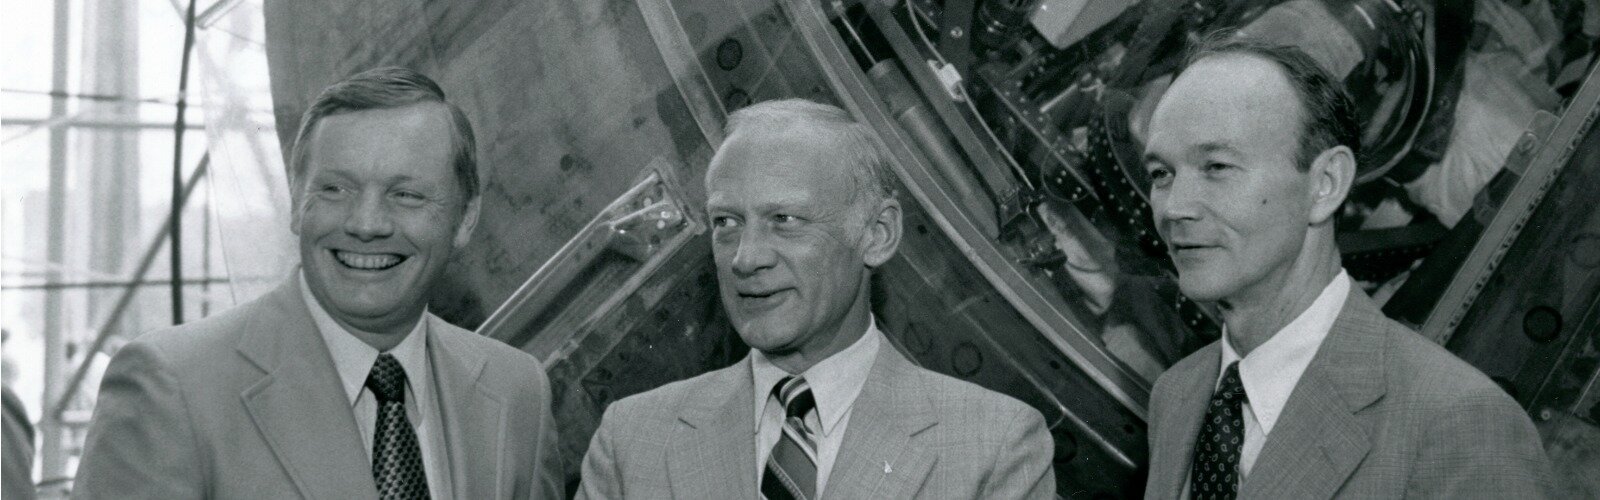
{"points": [[835, 382], [1270, 372], [353, 359]]}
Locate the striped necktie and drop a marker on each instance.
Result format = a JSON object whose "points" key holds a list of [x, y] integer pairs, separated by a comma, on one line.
{"points": [[792, 466]]}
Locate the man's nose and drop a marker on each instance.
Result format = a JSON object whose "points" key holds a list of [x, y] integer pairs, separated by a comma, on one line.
{"points": [[370, 218], [1181, 200], [753, 253]]}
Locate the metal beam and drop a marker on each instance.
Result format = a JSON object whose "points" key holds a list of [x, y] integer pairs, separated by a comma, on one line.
{"points": [[109, 284], [175, 220], [106, 328], [52, 459], [70, 122]]}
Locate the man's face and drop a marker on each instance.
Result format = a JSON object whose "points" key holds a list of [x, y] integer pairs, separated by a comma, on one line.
{"points": [[378, 213], [1226, 194], [787, 235]]}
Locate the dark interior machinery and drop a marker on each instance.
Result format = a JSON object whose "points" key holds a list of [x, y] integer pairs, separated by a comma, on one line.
{"points": [[1031, 265]]}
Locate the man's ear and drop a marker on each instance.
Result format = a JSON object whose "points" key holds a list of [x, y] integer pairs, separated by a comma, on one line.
{"points": [[469, 221], [882, 238], [1332, 174]]}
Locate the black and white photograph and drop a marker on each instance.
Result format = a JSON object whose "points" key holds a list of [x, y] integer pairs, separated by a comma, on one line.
{"points": [[800, 249]]}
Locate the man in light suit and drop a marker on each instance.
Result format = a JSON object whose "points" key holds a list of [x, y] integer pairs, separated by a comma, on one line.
{"points": [[1312, 392], [339, 384], [800, 204]]}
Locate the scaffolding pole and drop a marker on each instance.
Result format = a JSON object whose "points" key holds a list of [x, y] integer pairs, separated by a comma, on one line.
{"points": [[52, 459], [108, 327], [175, 221]]}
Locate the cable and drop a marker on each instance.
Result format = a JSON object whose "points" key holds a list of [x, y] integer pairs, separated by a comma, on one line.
{"points": [[1016, 168]]}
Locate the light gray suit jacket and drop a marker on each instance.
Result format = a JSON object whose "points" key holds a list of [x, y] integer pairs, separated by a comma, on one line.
{"points": [[247, 404], [1381, 412], [913, 433]]}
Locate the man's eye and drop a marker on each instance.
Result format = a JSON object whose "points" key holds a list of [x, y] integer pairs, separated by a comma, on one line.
{"points": [[410, 198], [1217, 167], [785, 219], [333, 190], [723, 221], [1160, 177]]}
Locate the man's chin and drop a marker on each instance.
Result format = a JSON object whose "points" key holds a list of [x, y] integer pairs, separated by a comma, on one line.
{"points": [[374, 318], [764, 336], [1201, 290]]}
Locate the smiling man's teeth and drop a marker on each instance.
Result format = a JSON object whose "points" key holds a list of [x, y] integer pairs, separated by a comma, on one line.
{"points": [[368, 261]]}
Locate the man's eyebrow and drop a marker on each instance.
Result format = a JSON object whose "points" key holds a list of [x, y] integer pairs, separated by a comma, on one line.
{"points": [[1216, 146], [1202, 148], [1151, 157]]}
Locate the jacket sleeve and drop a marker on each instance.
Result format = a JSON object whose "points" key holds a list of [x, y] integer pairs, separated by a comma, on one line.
{"points": [[18, 479], [1022, 464], [602, 476], [1480, 446], [141, 442]]}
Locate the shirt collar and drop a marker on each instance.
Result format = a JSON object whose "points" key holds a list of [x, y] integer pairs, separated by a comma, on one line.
{"points": [[1271, 371], [353, 359], [835, 381]]}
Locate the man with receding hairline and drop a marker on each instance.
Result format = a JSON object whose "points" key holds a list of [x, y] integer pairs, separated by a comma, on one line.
{"points": [[339, 383], [1311, 392], [802, 211]]}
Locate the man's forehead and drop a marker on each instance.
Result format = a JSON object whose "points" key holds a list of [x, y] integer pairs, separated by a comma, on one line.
{"points": [[765, 167], [786, 153], [1223, 100], [384, 135]]}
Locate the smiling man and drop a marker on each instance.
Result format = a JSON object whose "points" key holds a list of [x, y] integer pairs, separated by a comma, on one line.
{"points": [[801, 210], [339, 384], [1311, 392]]}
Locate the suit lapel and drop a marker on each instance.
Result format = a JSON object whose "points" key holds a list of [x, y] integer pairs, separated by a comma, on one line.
{"points": [[298, 404], [713, 454], [879, 458], [474, 417], [1322, 437], [1171, 460]]}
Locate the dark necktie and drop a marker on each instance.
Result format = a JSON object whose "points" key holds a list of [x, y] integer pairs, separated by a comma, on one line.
{"points": [[1215, 473], [792, 466], [396, 456]]}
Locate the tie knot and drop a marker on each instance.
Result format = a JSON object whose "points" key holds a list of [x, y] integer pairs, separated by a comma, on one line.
{"points": [[795, 396], [1232, 387], [387, 379]]}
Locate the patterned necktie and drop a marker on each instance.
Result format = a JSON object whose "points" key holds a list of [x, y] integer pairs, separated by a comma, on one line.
{"points": [[792, 466], [1215, 473], [396, 456]]}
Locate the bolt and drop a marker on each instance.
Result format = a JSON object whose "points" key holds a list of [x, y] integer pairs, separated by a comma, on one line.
{"points": [[1546, 414], [957, 32]]}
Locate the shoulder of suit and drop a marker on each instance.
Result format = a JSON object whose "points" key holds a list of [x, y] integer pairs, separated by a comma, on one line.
{"points": [[1425, 373], [662, 402], [1188, 367], [954, 395], [496, 350], [504, 360], [204, 340]]}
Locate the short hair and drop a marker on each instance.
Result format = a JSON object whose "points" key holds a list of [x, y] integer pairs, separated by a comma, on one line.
{"points": [[386, 88], [1328, 113], [854, 141]]}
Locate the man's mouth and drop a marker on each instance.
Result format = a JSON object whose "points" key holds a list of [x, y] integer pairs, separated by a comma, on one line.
{"points": [[1178, 247], [368, 261], [761, 298]]}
